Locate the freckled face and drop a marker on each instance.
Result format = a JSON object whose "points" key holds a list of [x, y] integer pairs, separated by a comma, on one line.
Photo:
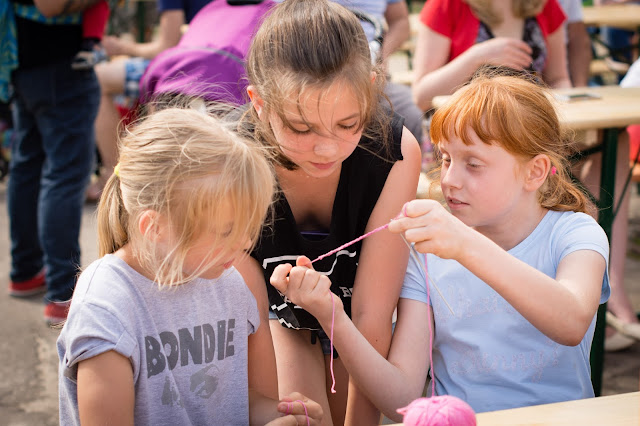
{"points": [[480, 182], [328, 133]]}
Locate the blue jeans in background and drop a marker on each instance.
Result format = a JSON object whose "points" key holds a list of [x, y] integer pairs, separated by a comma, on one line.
{"points": [[51, 159]]}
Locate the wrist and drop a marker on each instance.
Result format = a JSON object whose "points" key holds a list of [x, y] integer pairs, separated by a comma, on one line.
{"points": [[331, 316]]}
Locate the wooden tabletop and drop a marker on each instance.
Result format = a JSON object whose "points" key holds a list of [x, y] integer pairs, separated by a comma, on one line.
{"points": [[616, 107], [619, 410], [619, 16]]}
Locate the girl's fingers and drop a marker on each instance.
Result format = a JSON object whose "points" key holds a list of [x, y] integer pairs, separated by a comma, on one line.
{"points": [[279, 279], [304, 261], [299, 406]]}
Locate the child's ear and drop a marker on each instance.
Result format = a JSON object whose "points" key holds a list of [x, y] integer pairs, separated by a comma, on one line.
{"points": [[150, 225], [537, 170], [256, 101]]}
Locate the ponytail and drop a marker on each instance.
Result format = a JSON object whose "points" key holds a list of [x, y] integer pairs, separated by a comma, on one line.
{"points": [[113, 218]]}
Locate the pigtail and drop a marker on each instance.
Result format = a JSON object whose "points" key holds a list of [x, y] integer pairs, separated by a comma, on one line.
{"points": [[113, 218]]}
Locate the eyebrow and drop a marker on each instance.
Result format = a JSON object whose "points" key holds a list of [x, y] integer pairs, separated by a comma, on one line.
{"points": [[306, 123]]}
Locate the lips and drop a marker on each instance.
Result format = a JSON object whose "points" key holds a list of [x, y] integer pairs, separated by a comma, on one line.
{"points": [[454, 203], [228, 264], [323, 166]]}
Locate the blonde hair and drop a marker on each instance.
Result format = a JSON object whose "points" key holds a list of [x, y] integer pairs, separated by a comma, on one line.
{"points": [[184, 164], [305, 45], [515, 113], [484, 10]]}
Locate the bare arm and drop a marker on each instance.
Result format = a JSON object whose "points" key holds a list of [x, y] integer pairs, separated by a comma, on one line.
{"points": [[168, 36], [388, 384], [397, 17], [570, 299], [579, 53], [381, 267], [106, 390], [51, 8], [556, 72], [434, 75]]}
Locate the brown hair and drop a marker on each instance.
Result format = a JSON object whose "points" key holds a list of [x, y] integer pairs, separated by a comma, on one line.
{"points": [[305, 45], [183, 164], [523, 9], [518, 115]]}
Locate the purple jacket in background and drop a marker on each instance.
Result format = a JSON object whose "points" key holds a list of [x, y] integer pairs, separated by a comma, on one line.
{"points": [[209, 59]]}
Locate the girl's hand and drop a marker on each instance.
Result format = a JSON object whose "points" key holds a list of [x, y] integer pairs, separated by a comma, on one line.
{"points": [[298, 410], [503, 51], [432, 228], [306, 288]]}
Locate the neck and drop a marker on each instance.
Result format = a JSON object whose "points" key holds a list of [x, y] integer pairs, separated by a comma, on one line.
{"points": [[126, 254], [511, 231]]}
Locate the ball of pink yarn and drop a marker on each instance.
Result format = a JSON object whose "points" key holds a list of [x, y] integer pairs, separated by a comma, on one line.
{"points": [[445, 410]]}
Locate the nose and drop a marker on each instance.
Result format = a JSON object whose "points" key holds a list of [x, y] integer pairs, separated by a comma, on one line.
{"points": [[450, 176], [326, 146]]}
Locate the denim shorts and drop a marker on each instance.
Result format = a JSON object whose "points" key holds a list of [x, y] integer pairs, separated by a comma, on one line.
{"points": [[134, 68], [316, 335]]}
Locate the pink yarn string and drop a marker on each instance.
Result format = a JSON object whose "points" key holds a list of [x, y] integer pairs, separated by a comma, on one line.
{"points": [[306, 413], [290, 409], [333, 301], [380, 228], [333, 318]]}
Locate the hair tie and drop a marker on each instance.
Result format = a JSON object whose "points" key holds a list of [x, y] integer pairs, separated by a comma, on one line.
{"points": [[554, 170], [116, 170]]}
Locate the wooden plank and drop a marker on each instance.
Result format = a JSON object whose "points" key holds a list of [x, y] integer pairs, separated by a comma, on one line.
{"points": [[625, 16]]}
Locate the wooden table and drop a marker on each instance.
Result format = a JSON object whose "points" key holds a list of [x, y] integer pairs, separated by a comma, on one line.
{"points": [[614, 410], [618, 410], [616, 108], [626, 16]]}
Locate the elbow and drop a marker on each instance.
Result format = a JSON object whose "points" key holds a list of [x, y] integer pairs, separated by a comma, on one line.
{"points": [[570, 340], [572, 334], [418, 99]]}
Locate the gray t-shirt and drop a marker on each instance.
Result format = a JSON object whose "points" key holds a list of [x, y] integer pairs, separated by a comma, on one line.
{"points": [[187, 345]]}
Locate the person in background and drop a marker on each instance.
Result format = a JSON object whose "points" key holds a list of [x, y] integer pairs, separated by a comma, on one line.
{"points": [[54, 107], [625, 329], [121, 76], [456, 37], [94, 23], [392, 17], [578, 43], [621, 316]]}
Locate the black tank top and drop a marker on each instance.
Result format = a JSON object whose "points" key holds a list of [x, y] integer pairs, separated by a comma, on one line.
{"points": [[362, 178]]}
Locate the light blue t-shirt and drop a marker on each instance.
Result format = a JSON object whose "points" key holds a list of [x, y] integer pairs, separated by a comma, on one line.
{"points": [[187, 345], [488, 354]]}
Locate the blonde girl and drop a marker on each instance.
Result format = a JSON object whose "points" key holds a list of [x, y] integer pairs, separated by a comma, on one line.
{"points": [[516, 267], [345, 166], [162, 329]]}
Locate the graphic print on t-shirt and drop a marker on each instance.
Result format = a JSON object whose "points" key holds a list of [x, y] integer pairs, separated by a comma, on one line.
{"points": [[204, 344]]}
